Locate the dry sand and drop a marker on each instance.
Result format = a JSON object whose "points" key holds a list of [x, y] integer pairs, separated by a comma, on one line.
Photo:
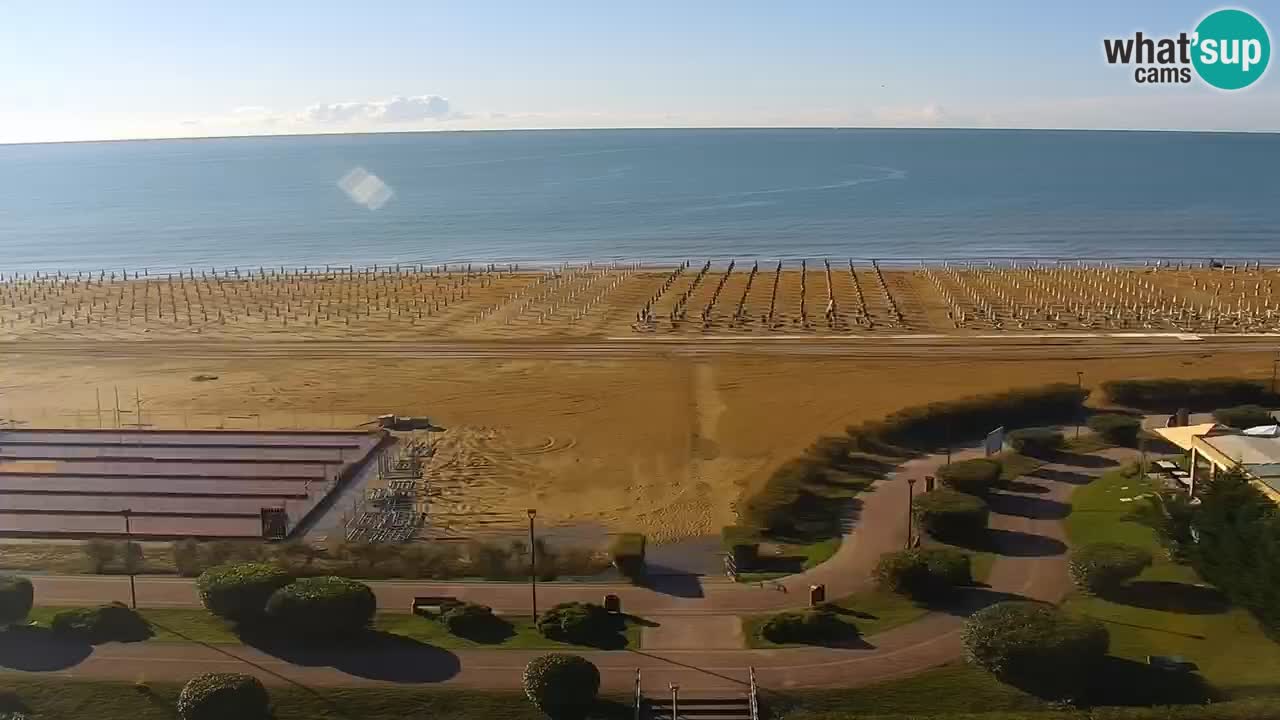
{"points": [[664, 445]]}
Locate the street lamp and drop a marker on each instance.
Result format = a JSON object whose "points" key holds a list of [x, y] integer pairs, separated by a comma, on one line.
{"points": [[1275, 363], [533, 565], [1079, 386], [911, 486], [128, 558]]}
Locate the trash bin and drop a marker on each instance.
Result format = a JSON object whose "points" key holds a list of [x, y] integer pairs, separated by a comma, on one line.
{"points": [[817, 595], [613, 603], [929, 481]]}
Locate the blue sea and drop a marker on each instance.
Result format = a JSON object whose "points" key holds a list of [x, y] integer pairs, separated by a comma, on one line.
{"points": [[654, 195]]}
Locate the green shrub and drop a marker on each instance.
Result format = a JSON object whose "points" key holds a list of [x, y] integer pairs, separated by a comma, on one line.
{"points": [[1104, 566], [466, 619], [99, 554], [322, 609], [924, 573], [1239, 545], [1035, 442], [1244, 416], [926, 426], [579, 623], [1035, 646], [949, 515], [1115, 428], [240, 592], [186, 557], [114, 622], [811, 627], [975, 477], [564, 687], [627, 553], [1169, 394], [220, 696], [16, 597], [789, 504]]}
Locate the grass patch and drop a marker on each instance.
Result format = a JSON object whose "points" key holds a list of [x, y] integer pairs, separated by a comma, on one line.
{"points": [[1014, 465], [61, 698], [194, 625], [789, 559], [1168, 610], [946, 691], [872, 612], [820, 552]]}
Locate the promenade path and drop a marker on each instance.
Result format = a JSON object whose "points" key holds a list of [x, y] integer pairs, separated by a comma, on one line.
{"points": [[1026, 532]]}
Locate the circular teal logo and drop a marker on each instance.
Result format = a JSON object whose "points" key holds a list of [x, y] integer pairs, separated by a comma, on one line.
{"points": [[1232, 49]]}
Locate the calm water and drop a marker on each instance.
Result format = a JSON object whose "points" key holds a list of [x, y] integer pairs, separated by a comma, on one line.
{"points": [[640, 194]]}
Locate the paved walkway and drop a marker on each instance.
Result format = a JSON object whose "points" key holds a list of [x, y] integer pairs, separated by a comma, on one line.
{"points": [[1026, 529]]}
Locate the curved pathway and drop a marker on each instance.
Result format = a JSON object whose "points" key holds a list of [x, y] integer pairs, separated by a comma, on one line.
{"points": [[1031, 562]]}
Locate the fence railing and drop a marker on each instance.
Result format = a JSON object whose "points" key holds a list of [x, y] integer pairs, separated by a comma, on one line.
{"points": [[754, 697]]}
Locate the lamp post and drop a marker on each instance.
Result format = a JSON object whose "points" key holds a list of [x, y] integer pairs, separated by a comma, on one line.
{"points": [[533, 565], [1275, 363], [128, 558], [911, 487], [1079, 386]]}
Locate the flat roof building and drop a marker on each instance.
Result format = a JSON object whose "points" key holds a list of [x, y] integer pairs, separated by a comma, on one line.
{"points": [[1255, 452]]}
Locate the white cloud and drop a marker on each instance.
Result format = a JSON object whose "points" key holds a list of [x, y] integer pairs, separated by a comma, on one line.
{"points": [[396, 110]]}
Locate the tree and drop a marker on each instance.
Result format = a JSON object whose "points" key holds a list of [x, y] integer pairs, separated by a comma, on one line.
{"points": [[99, 553], [16, 597], [240, 592], [578, 622], [1103, 567], [950, 515], [1035, 646], [322, 609], [811, 627], [114, 622], [1239, 546], [627, 553], [564, 687], [1244, 416], [1115, 428], [219, 696], [974, 477], [1036, 442], [924, 573]]}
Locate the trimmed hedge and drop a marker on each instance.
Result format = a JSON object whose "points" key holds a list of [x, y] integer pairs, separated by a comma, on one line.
{"points": [[579, 623], [1104, 566], [219, 696], [1170, 394], [627, 553], [1035, 442], [114, 622], [974, 477], [950, 515], [1035, 646], [322, 609], [16, 598], [466, 619], [817, 626], [240, 592], [1115, 428], [924, 573], [1244, 416], [564, 687]]}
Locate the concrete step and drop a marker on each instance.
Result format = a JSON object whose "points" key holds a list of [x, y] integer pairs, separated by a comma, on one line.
{"points": [[700, 708]]}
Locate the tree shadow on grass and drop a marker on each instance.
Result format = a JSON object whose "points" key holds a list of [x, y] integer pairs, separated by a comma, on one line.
{"points": [[36, 649], [1028, 507], [1012, 543], [373, 655], [1118, 681], [1080, 460], [1170, 597], [490, 632], [1064, 476]]}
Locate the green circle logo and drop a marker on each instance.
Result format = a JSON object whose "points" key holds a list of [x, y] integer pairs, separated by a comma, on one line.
{"points": [[1232, 49]]}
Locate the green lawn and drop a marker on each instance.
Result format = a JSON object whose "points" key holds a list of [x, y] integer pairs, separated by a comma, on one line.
{"points": [[941, 692], [1014, 465], [871, 612], [1169, 611], [191, 625]]}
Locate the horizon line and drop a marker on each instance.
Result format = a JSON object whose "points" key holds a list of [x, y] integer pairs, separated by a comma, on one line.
{"points": [[640, 127]]}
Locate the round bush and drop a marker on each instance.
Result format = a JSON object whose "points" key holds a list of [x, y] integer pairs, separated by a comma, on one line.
{"points": [[114, 622], [218, 696], [924, 573], [1035, 441], [975, 477], [322, 609], [578, 622], [950, 515], [240, 592], [1034, 645], [1101, 567], [465, 619], [564, 687], [1115, 428], [816, 626], [1244, 416], [16, 597]]}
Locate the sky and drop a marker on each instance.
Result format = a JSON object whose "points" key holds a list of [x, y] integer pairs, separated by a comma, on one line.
{"points": [[73, 70]]}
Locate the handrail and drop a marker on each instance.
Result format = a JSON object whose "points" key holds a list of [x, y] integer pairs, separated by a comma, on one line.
{"points": [[675, 701], [754, 700], [638, 698]]}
